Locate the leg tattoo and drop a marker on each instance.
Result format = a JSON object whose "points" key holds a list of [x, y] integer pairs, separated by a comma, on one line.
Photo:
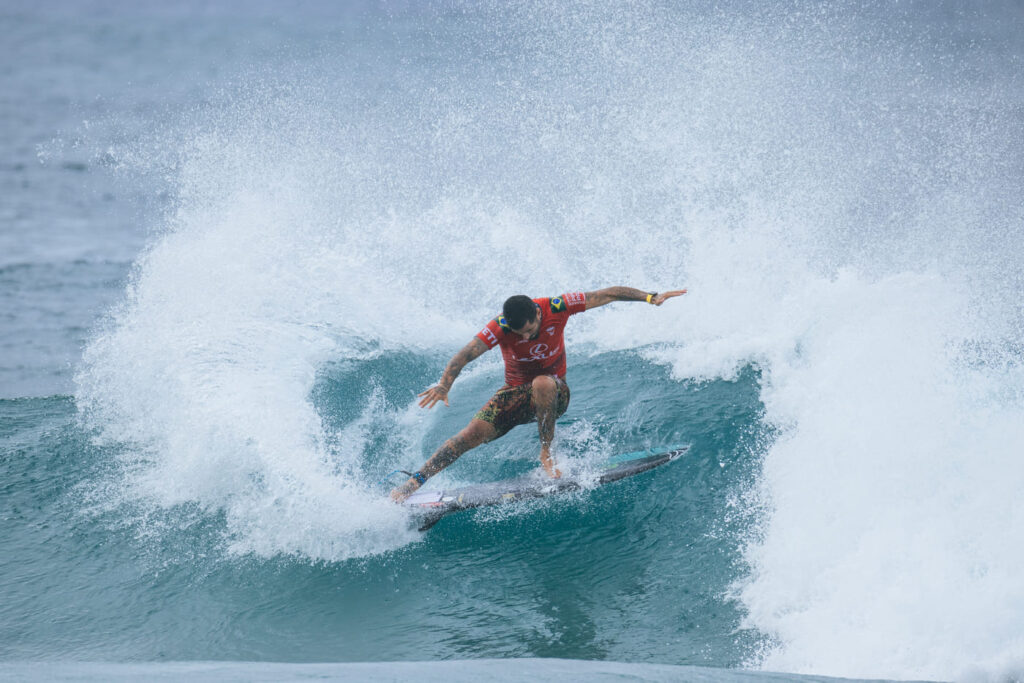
{"points": [[471, 437], [445, 455]]}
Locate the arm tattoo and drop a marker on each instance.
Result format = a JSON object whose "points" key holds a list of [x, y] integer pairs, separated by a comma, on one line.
{"points": [[610, 294], [626, 294], [470, 351]]}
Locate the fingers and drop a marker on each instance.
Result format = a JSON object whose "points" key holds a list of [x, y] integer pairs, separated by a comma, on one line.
{"points": [[664, 296], [431, 396]]}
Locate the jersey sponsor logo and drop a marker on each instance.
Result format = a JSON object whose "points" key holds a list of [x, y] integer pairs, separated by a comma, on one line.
{"points": [[503, 324], [575, 298], [491, 339], [540, 352], [557, 304]]}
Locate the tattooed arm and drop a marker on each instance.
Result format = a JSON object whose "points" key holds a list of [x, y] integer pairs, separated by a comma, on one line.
{"points": [[607, 295], [439, 392]]}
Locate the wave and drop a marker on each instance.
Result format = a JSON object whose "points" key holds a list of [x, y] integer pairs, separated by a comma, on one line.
{"points": [[844, 221]]}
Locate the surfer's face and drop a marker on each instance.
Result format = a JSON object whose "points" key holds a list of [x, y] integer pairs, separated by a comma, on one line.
{"points": [[530, 329]]}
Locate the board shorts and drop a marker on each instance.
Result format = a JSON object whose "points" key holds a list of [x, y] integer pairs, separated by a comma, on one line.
{"points": [[513, 406]]}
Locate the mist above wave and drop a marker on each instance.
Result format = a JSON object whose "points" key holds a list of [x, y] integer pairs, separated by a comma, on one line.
{"points": [[839, 191]]}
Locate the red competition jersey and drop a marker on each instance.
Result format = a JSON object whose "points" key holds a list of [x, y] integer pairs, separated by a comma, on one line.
{"points": [[544, 355]]}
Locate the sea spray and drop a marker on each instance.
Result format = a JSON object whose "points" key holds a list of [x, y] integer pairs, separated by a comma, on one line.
{"points": [[838, 187]]}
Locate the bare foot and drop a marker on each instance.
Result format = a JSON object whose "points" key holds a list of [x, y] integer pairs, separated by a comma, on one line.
{"points": [[551, 470], [402, 492]]}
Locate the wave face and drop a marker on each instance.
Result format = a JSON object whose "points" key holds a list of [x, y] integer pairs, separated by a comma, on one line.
{"points": [[838, 187]]}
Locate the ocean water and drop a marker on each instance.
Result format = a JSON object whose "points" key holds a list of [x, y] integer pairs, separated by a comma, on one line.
{"points": [[236, 242]]}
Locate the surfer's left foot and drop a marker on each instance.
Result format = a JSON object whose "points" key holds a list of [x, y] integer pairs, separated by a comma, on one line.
{"points": [[402, 492]]}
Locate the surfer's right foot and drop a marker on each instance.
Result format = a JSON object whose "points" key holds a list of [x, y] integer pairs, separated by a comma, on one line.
{"points": [[553, 471], [549, 464]]}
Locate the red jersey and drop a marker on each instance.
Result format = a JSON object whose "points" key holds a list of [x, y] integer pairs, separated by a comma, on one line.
{"points": [[544, 355]]}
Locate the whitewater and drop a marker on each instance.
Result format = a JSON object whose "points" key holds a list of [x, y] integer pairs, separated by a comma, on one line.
{"points": [[310, 233]]}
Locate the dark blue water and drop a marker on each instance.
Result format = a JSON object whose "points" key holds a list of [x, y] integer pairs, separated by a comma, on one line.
{"points": [[236, 243]]}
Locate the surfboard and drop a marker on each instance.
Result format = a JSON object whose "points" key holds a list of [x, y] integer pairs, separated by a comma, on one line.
{"points": [[435, 504]]}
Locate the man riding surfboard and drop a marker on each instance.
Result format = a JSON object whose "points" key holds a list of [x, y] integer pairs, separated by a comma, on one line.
{"points": [[530, 334]]}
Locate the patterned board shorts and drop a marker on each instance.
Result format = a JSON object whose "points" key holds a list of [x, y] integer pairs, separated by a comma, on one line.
{"points": [[513, 406]]}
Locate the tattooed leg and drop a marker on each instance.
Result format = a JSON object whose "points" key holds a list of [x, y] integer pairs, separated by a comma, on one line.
{"points": [[476, 433], [545, 399], [445, 455]]}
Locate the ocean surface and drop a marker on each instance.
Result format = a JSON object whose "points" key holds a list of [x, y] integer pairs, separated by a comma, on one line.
{"points": [[236, 240]]}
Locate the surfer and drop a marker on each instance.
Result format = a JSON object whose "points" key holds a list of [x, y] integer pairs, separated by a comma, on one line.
{"points": [[530, 333]]}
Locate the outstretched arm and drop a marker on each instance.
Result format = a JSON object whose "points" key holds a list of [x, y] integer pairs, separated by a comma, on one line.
{"points": [[439, 392], [607, 295]]}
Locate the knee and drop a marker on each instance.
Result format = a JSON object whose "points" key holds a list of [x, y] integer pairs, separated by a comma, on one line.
{"points": [[477, 432], [544, 383], [544, 389]]}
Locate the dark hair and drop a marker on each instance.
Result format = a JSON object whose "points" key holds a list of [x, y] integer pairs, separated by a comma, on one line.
{"points": [[519, 310]]}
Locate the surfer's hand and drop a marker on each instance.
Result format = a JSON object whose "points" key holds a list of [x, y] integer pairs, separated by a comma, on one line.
{"points": [[432, 395], [665, 296]]}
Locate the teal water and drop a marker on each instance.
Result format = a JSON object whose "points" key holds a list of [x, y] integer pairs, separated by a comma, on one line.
{"points": [[585, 578], [236, 242], [472, 670]]}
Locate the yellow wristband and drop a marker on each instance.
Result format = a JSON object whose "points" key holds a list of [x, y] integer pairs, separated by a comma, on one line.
{"points": [[650, 296]]}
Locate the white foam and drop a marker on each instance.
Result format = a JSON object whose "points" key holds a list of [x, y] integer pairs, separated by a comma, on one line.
{"points": [[892, 495], [842, 220]]}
